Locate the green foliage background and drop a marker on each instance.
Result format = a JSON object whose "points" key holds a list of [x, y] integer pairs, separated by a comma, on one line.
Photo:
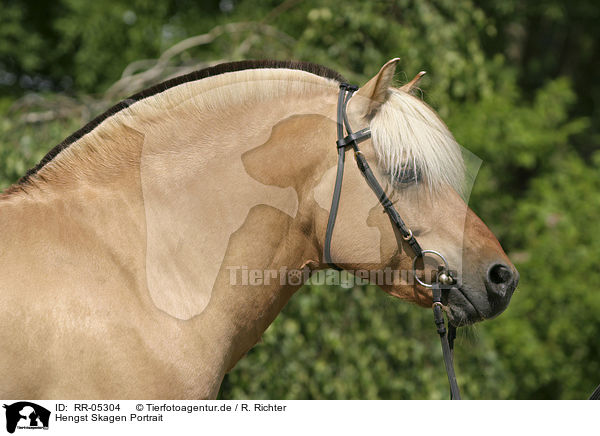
{"points": [[516, 83]]}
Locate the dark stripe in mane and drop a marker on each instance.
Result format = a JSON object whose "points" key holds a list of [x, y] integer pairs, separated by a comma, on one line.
{"points": [[319, 70]]}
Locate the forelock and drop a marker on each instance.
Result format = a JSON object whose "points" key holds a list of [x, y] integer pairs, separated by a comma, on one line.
{"points": [[409, 136]]}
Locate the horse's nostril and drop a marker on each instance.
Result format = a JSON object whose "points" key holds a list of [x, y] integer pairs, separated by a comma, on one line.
{"points": [[500, 274]]}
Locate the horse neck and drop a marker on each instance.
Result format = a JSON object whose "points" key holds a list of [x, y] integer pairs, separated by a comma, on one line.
{"points": [[197, 205]]}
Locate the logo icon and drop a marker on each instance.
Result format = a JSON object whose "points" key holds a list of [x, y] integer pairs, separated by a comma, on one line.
{"points": [[26, 415]]}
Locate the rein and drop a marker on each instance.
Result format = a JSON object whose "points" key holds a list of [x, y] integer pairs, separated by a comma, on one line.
{"points": [[443, 280]]}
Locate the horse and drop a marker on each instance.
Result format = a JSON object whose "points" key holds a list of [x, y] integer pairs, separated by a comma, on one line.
{"points": [[145, 255]]}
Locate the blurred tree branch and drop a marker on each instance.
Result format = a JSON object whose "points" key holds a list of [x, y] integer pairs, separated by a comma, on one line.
{"points": [[163, 67], [143, 73]]}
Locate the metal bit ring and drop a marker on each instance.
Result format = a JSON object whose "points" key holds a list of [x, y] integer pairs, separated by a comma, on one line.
{"points": [[414, 266]]}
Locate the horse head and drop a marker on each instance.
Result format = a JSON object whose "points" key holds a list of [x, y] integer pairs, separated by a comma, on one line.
{"points": [[421, 168]]}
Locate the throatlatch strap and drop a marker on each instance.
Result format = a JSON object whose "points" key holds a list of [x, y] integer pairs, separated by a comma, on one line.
{"points": [[335, 202], [337, 190]]}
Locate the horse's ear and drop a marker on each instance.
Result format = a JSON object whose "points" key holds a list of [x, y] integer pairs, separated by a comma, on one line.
{"points": [[413, 83], [375, 92]]}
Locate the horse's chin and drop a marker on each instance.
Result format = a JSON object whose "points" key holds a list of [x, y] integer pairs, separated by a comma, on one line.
{"points": [[467, 305], [460, 316]]}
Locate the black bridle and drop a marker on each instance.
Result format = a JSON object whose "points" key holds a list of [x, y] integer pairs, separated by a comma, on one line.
{"points": [[443, 280]]}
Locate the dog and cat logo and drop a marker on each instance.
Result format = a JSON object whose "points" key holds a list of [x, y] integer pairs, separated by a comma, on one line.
{"points": [[26, 415]]}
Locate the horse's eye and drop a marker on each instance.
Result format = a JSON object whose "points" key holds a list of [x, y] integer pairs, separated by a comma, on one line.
{"points": [[406, 176]]}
